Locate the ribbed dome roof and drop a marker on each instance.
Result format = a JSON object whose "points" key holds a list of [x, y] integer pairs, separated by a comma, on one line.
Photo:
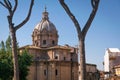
{"points": [[45, 24]]}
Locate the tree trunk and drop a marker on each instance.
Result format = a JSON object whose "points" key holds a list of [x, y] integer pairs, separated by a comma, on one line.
{"points": [[14, 54], [82, 33], [11, 9], [82, 60]]}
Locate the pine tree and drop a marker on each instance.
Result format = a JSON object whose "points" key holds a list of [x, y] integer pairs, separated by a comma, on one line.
{"points": [[6, 63], [8, 44]]}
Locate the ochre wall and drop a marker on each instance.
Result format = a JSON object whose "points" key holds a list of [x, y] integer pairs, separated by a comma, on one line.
{"points": [[63, 71]]}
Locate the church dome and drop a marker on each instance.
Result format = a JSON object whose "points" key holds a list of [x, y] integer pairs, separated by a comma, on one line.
{"points": [[45, 24], [45, 33]]}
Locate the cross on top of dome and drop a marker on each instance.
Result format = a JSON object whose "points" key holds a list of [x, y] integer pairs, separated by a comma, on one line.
{"points": [[45, 9], [45, 14]]}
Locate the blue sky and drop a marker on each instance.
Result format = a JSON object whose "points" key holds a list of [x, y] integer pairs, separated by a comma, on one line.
{"points": [[104, 31]]}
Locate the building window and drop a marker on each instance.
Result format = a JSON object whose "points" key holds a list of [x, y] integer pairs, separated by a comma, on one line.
{"points": [[45, 72], [71, 59], [64, 58], [44, 42], [56, 72], [53, 42], [56, 56], [36, 43]]}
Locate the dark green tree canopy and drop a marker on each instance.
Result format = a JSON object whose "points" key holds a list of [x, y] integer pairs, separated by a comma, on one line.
{"points": [[6, 63]]}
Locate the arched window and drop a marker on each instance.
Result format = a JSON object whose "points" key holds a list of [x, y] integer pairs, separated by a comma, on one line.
{"points": [[35, 43], [56, 56]]}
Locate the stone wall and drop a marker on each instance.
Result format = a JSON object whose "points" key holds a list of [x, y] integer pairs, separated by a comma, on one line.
{"points": [[53, 70]]}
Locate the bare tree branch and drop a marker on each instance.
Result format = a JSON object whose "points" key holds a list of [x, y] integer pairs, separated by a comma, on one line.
{"points": [[77, 25], [27, 18], [15, 7], [92, 15], [3, 4], [8, 6], [6, 3], [82, 34], [94, 3]]}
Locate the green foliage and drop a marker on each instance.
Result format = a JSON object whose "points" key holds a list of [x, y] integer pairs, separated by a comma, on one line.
{"points": [[25, 60], [8, 44], [2, 46], [6, 64]]}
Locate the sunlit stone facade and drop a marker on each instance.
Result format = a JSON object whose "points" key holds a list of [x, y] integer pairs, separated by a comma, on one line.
{"points": [[92, 72], [111, 59], [117, 70], [50, 60]]}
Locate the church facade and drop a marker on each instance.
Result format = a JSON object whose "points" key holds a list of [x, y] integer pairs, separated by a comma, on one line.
{"points": [[50, 60]]}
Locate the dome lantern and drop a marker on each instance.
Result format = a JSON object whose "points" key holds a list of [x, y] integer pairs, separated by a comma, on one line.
{"points": [[45, 14]]}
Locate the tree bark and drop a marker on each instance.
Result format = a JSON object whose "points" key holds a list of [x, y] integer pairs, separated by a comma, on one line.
{"points": [[82, 33], [14, 54], [11, 9], [82, 60]]}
